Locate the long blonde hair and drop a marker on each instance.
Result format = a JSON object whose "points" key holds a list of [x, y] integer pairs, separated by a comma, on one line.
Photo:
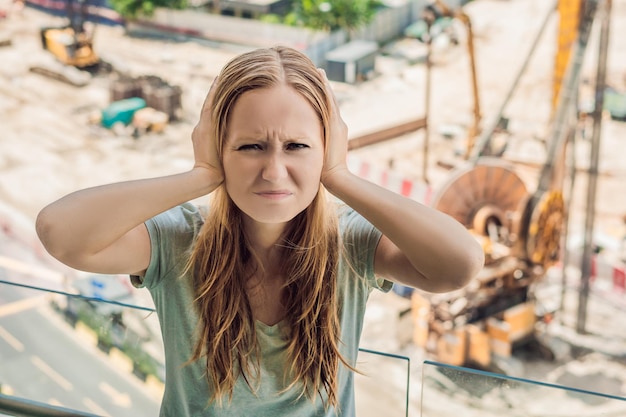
{"points": [[222, 257]]}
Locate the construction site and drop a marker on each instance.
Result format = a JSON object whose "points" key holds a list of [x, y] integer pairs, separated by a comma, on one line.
{"points": [[508, 115]]}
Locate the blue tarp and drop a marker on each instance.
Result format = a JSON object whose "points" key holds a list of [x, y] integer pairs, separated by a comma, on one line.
{"points": [[98, 11]]}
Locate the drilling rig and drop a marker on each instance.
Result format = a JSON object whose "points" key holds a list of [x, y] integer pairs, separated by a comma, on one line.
{"points": [[520, 229]]}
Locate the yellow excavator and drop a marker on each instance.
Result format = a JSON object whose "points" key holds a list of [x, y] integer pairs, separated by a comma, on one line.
{"points": [[71, 44]]}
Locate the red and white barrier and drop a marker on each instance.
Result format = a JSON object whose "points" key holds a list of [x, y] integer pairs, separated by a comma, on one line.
{"points": [[19, 228], [619, 278], [390, 180], [605, 269]]}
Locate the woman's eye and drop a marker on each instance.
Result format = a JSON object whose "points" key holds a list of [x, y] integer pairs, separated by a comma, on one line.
{"points": [[295, 146], [250, 147]]}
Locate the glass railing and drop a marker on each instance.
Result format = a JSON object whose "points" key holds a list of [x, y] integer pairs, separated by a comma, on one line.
{"points": [[78, 352], [451, 391], [382, 387], [92, 347]]}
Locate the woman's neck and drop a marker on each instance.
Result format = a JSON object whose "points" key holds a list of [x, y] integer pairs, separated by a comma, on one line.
{"points": [[264, 237]]}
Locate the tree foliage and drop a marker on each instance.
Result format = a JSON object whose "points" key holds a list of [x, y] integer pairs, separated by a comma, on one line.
{"points": [[136, 8], [333, 14]]}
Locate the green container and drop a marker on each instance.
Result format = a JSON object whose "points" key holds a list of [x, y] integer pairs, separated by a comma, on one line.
{"points": [[122, 111], [615, 104]]}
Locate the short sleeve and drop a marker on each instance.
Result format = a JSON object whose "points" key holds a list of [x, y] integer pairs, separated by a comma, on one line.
{"points": [[172, 235], [360, 240]]}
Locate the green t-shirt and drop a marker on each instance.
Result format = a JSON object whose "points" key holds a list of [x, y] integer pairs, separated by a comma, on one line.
{"points": [[172, 234]]}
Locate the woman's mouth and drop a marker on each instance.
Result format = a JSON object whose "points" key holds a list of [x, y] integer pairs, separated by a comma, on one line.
{"points": [[274, 194]]}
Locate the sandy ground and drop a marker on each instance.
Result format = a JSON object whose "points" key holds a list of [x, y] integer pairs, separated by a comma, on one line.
{"points": [[49, 149]]}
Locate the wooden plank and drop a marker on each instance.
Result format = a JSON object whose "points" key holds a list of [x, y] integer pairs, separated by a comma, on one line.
{"points": [[521, 320], [451, 347], [387, 133]]}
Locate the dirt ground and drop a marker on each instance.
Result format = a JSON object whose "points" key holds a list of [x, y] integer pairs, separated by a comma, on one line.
{"points": [[48, 148]]}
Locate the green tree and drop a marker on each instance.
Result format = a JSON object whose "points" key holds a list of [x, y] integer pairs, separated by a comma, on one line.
{"points": [[333, 14], [136, 8]]}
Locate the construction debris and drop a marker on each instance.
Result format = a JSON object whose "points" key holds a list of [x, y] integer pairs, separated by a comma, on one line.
{"points": [[157, 93], [58, 71], [150, 120], [5, 39]]}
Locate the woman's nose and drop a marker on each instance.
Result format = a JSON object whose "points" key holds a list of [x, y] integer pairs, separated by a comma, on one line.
{"points": [[274, 168]]}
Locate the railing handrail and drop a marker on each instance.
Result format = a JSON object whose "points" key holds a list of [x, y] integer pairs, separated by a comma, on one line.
{"points": [[21, 407], [78, 296]]}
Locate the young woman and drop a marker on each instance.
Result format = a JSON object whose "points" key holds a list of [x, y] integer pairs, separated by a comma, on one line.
{"points": [[261, 295]]}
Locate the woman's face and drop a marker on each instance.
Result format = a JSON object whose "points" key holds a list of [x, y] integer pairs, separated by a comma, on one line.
{"points": [[273, 155]]}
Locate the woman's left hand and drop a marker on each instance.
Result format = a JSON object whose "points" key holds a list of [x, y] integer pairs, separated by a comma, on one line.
{"points": [[337, 146]]}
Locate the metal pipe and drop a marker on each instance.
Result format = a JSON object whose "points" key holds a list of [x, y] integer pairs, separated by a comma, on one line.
{"points": [[427, 105], [429, 16], [585, 269], [566, 96], [568, 204]]}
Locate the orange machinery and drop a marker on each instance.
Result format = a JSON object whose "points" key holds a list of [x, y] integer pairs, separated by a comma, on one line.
{"points": [[71, 44]]}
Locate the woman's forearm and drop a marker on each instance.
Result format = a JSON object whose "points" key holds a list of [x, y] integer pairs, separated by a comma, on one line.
{"points": [[88, 221], [436, 245]]}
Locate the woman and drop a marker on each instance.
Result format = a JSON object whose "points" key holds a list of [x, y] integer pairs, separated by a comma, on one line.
{"points": [[261, 297]]}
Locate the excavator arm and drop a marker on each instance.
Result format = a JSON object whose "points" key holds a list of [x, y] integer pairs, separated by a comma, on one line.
{"points": [[466, 21]]}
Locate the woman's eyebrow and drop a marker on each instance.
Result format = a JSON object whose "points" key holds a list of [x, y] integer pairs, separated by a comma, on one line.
{"points": [[265, 138]]}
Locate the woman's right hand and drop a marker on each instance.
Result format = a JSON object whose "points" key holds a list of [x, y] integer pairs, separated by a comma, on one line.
{"points": [[204, 142], [106, 233]]}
